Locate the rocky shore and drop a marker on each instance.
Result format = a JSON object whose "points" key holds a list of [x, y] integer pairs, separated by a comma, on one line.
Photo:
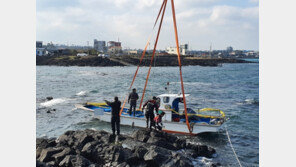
{"points": [[132, 60], [143, 148]]}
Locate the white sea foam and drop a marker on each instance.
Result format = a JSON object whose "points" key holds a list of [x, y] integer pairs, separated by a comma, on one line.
{"points": [[53, 102], [81, 93]]}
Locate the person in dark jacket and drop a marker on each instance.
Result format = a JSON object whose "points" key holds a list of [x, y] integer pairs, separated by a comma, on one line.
{"points": [[132, 100], [115, 112], [151, 105]]}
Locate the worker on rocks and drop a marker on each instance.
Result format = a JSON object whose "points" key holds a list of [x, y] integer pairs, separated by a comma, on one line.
{"points": [[132, 100], [151, 105], [115, 112]]}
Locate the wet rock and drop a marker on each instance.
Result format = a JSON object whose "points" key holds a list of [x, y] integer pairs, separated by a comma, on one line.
{"points": [[60, 156], [215, 164], [46, 154], [157, 155], [202, 150], [141, 135], [74, 160], [49, 98], [40, 164], [98, 148]]}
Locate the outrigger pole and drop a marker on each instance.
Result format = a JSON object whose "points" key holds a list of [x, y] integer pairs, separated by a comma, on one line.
{"points": [[163, 7]]}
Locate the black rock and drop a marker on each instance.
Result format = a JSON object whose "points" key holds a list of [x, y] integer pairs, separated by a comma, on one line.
{"points": [[49, 98], [46, 154], [157, 155], [60, 156], [74, 160]]}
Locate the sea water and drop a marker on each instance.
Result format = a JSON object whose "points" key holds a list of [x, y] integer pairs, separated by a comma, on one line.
{"points": [[233, 88]]}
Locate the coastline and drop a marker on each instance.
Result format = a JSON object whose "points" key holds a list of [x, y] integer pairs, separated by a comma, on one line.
{"points": [[160, 61]]}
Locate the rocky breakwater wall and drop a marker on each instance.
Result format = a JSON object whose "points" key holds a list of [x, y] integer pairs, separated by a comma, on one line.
{"points": [[99, 148]]}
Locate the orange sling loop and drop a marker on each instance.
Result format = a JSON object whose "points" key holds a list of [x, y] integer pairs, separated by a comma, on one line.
{"points": [[155, 44], [143, 54], [180, 66]]}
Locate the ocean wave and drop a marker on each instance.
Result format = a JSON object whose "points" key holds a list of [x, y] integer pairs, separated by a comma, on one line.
{"points": [[90, 73], [193, 83], [81, 93], [53, 102], [252, 101]]}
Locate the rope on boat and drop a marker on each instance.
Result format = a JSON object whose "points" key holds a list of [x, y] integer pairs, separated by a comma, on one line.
{"points": [[232, 147]]}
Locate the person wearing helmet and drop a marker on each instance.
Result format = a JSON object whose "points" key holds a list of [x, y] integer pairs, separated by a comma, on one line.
{"points": [[151, 105]]}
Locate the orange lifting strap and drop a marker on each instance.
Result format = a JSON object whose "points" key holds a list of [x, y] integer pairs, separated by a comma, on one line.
{"points": [[180, 65], [163, 7], [155, 44], [143, 54]]}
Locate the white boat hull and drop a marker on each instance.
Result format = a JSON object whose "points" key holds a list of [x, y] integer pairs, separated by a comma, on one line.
{"points": [[173, 127], [168, 125]]}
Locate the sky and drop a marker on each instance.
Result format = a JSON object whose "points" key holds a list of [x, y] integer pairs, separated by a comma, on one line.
{"points": [[200, 23]]}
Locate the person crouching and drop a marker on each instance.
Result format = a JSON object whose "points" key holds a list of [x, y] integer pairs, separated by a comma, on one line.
{"points": [[158, 120]]}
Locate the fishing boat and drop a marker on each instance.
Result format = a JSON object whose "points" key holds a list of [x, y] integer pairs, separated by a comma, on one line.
{"points": [[200, 120], [182, 121]]}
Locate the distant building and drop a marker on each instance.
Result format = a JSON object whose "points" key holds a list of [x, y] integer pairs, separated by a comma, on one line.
{"points": [[173, 50], [100, 46], [133, 52], [229, 49], [38, 44], [82, 54], [114, 47], [41, 52]]}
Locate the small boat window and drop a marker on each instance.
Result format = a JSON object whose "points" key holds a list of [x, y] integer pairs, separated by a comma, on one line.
{"points": [[166, 99]]}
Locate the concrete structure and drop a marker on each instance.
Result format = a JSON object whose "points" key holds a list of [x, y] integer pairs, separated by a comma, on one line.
{"points": [[114, 47], [41, 52], [38, 44], [173, 50], [100, 46], [82, 54]]}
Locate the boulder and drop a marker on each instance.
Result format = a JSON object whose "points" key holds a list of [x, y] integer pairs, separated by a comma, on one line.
{"points": [[157, 155], [202, 150], [49, 98], [60, 156], [74, 160], [141, 135], [161, 142], [46, 154]]}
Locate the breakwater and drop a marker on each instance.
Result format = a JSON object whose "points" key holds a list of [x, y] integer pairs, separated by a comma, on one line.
{"points": [[99, 148]]}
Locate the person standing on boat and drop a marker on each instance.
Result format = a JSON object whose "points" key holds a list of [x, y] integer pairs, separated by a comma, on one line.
{"points": [[151, 105], [115, 118], [132, 100]]}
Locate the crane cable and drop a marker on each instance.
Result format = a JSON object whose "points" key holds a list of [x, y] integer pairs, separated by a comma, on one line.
{"points": [[180, 65], [154, 49], [143, 54]]}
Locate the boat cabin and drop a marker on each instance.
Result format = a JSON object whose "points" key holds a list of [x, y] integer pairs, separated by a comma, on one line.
{"points": [[169, 103]]}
